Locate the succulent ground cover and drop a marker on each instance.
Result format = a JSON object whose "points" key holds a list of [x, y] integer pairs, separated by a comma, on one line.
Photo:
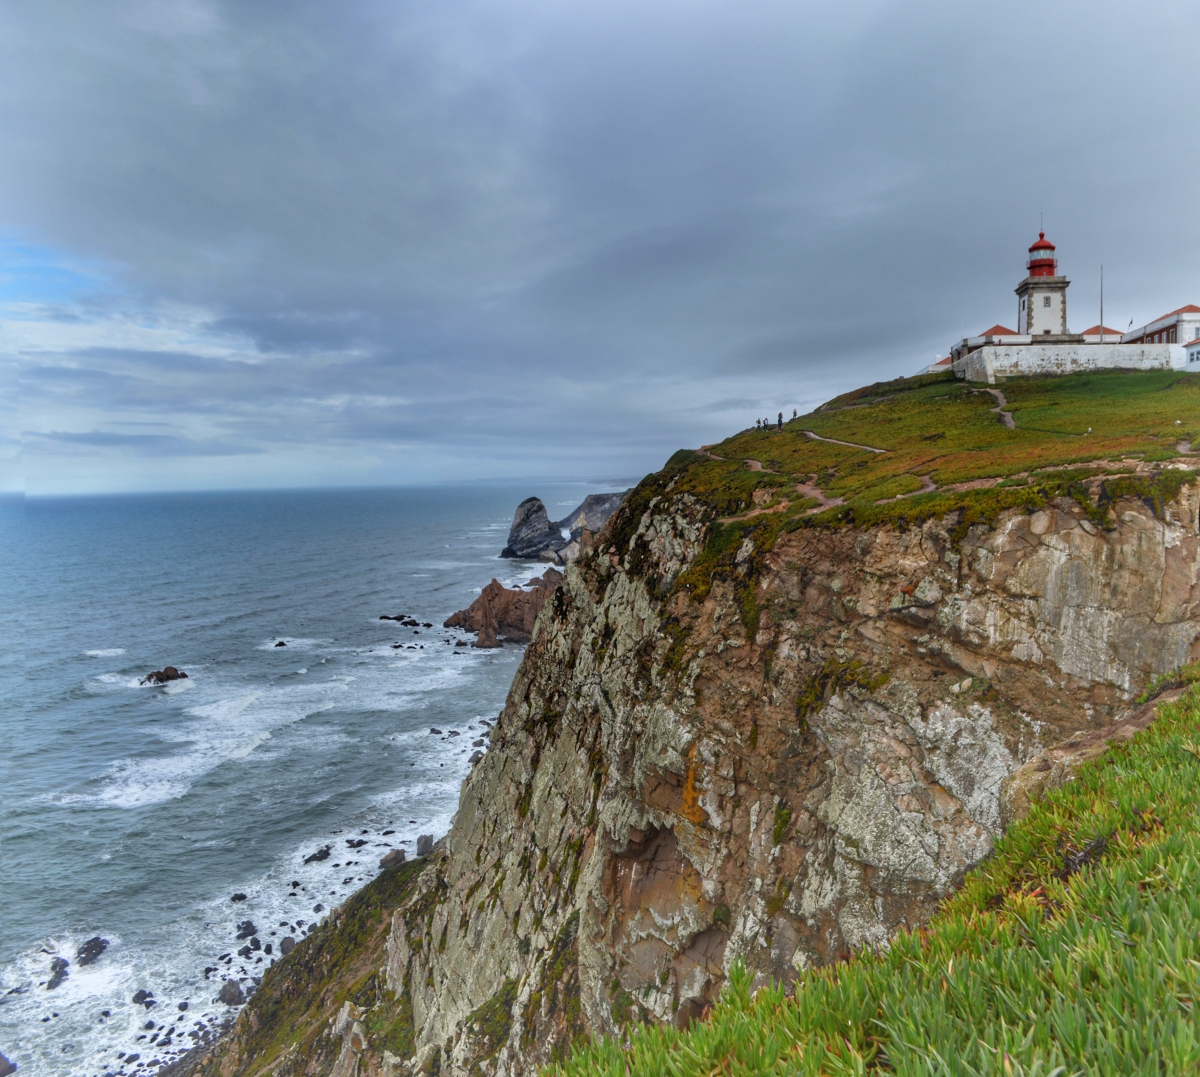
{"points": [[1074, 949]]}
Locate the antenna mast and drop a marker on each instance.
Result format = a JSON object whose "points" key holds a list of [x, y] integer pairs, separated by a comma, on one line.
{"points": [[1102, 304]]}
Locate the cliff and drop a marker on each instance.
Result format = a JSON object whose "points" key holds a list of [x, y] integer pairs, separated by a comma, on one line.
{"points": [[768, 718]]}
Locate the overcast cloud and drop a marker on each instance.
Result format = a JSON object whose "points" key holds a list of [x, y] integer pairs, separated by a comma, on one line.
{"points": [[318, 243]]}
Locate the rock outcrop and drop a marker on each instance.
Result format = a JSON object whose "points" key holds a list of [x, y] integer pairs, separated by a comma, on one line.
{"points": [[778, 762], [532, 533], [503, 613], [162, 676], [534, 537]]}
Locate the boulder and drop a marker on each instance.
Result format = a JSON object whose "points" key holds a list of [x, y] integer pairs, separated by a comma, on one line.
{"points": [[424, 844], [318, 856], [6, 1067], [246, 928], [281, 644], [531, 531], [286, 945], [90, 950], [506, 613], [231, 993], [392, 859], [143, 996]]}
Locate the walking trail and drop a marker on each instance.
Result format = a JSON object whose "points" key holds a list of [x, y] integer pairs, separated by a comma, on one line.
{"points": [[1005, 416], [848, 444]]}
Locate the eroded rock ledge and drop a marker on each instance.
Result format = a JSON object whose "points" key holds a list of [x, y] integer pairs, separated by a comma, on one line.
{"points": [[792, 767]]}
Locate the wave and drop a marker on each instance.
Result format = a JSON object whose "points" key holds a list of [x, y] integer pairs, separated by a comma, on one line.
{"points": [[105, 652]]}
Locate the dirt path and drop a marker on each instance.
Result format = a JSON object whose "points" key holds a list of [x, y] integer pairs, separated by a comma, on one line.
{"points": [[1005, 416], [927, 487], [809, 490], [754, 465], [848, 444]]}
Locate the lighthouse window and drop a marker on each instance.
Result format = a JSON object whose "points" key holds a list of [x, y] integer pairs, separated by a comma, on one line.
{"points": [[1045, 301]]}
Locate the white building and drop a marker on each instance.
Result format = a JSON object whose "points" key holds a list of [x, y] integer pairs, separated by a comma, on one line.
{"points": [[1043, 343]]}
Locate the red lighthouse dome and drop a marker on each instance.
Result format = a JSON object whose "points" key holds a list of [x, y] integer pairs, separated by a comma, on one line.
{"points": [[1042, 262]]}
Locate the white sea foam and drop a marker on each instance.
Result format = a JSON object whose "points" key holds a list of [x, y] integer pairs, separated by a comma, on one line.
{"points": [[106, 652]]}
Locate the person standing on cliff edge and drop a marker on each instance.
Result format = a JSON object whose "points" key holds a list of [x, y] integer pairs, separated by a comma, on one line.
{"points": [[781, 420]]}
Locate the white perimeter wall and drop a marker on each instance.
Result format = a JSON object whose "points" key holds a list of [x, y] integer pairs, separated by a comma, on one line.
{"points": [[996, 361]]}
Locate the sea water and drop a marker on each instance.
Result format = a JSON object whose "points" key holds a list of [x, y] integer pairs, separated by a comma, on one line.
{"points": [[137, 812]]}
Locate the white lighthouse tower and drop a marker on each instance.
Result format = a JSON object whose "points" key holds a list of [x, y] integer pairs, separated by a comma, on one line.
{"points": [[1042, 295]]}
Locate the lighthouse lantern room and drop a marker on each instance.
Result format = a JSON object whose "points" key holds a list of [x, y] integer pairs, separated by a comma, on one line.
{"points": [[1042, 295]]}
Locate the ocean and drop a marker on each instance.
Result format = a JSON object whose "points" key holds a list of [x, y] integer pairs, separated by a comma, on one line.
{"points": [[136, 812]]}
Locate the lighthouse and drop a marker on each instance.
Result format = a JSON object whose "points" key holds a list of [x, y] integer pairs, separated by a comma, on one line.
{"points": [[1042, 295]]}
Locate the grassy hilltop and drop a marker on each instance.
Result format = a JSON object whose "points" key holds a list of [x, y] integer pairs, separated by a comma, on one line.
{"points": [[947, 448], [941, 432]]}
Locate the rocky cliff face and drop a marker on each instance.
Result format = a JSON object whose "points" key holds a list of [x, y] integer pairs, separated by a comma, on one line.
{"points": [[775, 763]]}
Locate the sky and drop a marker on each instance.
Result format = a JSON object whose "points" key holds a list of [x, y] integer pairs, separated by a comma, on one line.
{"points": [[280, 244]]}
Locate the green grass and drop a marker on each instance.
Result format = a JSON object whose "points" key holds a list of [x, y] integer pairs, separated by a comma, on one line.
{"points": [[943, 429], [1075, 949]]}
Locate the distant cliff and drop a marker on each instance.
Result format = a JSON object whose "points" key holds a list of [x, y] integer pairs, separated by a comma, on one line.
{"points": [[768, 717], [533, 537]]}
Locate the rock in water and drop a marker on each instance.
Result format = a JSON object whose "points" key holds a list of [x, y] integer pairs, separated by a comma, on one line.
{"points": [[58, 972], [506, 613], [162, 676], [424, 844], [531, 531], [6, 1067], [90, 950], [392, 860], [318, 856], [231, 993], [246, 928], [286, 945]]}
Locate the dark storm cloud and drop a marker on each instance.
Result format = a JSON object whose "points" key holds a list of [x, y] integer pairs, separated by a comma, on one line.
{"points": [[492, 238]]}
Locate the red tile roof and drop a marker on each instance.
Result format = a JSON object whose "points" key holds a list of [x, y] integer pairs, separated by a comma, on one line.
{"points": [[943, 362], [1191, 308], [998, 331], [1096, 329]]}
